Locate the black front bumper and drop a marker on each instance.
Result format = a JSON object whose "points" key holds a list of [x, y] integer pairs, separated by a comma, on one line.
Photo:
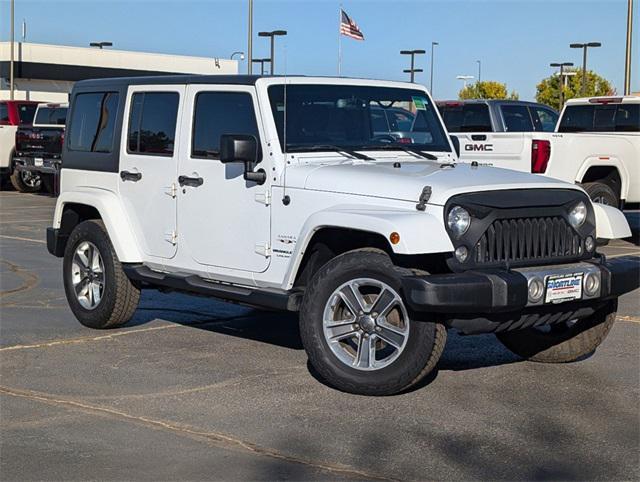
{"points": [[492, 300]]}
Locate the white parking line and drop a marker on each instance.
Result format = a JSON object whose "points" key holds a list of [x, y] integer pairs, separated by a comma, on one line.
{"points": [[18, 238]]}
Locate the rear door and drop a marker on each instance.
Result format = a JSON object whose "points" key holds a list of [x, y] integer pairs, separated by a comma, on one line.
{"points": [[149, 163], [473, 125]]}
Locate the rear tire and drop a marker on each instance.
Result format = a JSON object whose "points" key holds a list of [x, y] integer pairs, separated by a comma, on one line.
{"points": [[335, 336], [98, 291], [601, 193], [26, 181], [562, 343]]}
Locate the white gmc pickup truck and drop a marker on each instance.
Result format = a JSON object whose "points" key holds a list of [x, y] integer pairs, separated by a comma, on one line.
{"points": [[596, 143], [290, 194]]}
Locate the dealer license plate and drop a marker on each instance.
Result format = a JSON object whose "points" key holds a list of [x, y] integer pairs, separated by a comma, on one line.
{"points": [[38, 161], [561, 288]]}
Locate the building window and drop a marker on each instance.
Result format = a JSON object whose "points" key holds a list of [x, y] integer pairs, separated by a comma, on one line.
{"points": [[152, 123]]}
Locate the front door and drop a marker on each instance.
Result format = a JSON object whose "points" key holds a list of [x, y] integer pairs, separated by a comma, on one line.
{"points": [[223, 220], [148, 165]]}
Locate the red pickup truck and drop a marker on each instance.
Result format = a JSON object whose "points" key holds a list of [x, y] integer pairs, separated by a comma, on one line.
{"points": [[12, 114]]}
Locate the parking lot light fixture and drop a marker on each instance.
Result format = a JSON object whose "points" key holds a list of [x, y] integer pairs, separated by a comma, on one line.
{"points": [[261, 62], [465, 79], [239, 52], [101, 45], [584, 47], [272, 35], [561, 65], [412, 71]]}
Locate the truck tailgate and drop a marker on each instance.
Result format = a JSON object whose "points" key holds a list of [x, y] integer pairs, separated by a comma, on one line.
{"points": [[39, 141], [509, 150]]}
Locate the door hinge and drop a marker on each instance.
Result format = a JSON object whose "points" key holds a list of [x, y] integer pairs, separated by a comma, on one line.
{"points": [[263, 250], [173, 190], [171, 237], [264, 197]]}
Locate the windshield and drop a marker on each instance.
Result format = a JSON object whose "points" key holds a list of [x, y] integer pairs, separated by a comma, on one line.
{"points": [[356, 117]]}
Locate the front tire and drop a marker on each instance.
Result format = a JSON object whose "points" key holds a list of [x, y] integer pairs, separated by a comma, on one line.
{"points": [[356, 329], [26, 181], [564, 342], [99, 293]]}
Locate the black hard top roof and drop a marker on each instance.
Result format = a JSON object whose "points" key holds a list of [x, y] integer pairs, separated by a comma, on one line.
{"points": [[171, 79]]}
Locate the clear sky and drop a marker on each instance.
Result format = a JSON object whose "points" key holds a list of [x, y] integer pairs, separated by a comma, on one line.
{"points": [[515, 40]]}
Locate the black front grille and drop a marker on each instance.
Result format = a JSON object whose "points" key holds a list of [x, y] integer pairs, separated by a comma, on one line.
{"points": [[524, 239]]}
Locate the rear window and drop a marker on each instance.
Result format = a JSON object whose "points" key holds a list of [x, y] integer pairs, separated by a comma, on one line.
{"points": [[152, 123], [93, 122], [466, 117], [51, 115], [4, 113], [516, 118], [601, 118], [26, 113]]}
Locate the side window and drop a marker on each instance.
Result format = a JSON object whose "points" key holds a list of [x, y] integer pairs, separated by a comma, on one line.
{"points": [[4, 114], [152, 123], [516, 118], [93, 122], [544, 119], [218, 113]]}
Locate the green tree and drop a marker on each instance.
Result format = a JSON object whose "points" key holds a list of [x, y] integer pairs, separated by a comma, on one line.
{"points": [[548, 90], [487, 89]]}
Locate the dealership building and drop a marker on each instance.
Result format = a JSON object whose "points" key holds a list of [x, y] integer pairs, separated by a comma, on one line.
{"points": [[48, 72]]}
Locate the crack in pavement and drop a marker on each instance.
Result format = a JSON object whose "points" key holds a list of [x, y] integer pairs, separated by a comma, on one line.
{"points": [[30, 280], [217, 438]]}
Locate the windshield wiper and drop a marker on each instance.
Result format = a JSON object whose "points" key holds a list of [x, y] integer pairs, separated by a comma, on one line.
{"points": [[401, 147], [329, 147]]}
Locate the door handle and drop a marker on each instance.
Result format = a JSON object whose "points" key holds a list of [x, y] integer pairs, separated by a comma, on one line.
{"points": [[130, 176], [190, 181], [479, 137]]}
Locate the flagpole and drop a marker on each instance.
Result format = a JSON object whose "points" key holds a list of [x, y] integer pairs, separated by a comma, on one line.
{"points": [[340, 40]]}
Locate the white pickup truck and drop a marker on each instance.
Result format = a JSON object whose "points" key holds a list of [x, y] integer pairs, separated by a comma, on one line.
{"points": [[596, 143]]}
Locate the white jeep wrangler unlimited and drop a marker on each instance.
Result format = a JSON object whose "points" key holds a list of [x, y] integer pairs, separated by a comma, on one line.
{"points": [[299, 194]]}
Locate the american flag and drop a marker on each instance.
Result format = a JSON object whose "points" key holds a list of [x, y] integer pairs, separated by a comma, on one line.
{"points": [[349, 28]]}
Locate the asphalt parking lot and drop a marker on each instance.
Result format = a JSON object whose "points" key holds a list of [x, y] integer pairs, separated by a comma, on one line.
{"points": [[197, 389]]}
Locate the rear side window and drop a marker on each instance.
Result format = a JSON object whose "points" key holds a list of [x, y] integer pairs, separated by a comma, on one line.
{"points": [[544, 119], [4, 114], [152, 123], [218, 113], [601, 118], [516, 118], [51, 115], [466, 117], [26, 113], [93, 122]]}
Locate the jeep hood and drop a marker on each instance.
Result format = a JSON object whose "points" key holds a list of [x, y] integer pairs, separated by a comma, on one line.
{"points": [[406, 180]]}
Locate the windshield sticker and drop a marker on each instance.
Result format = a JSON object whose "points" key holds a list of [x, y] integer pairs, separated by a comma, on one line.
{"points": [[420, 103]]}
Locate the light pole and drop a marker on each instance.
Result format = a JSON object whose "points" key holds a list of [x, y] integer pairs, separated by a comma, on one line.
{"points": [[464, 79], [412, 71], [433, 44], [479, 69], [11, 79], [562, 65], [250, 39], [272, 35], [101, 45], [584, 48], [627, 60], [261, 62]]}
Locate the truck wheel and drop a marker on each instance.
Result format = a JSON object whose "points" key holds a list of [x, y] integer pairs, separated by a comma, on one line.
{"points": [[356, 330], [563, 342], [98, 291], [602, 193], [25, 181]]}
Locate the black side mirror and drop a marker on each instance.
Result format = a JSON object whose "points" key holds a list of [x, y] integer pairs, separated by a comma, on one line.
{"points": [[456, 144], [242, 148]]}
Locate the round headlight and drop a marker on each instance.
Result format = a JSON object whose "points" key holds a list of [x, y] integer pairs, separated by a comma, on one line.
{"points": [[578, 215], [458, 221]]}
